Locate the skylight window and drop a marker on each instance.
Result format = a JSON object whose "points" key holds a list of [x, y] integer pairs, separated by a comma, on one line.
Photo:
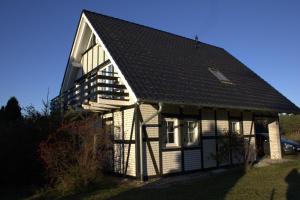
{"points": [[219, 75]]}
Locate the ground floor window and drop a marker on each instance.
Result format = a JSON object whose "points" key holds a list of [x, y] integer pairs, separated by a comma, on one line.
{"points": [[190, 129], [235, 126], [175, 129], [171, 132]]}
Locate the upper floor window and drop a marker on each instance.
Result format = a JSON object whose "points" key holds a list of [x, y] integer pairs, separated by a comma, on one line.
{"points": [[219, 75]]}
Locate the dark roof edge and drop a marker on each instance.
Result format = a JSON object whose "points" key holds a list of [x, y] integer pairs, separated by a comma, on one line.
{"points": [[148, 27], [223, 106]]}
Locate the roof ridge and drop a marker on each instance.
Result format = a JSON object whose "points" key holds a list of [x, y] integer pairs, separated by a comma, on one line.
{"points": [[148, 27]]}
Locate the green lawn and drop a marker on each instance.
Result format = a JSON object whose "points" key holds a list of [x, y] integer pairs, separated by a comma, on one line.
{"points": [[279, 181]]}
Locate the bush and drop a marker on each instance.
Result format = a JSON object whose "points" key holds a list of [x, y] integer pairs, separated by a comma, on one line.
{"points": [[20, 136], [290, 124], [230, 144], [75, 154]]}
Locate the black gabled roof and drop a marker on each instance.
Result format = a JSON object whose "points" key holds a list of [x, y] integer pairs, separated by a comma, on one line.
{"points": [[160, 66]]}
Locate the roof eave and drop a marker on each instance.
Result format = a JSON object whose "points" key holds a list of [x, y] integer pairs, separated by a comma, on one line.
{"points": [[208, 105]]}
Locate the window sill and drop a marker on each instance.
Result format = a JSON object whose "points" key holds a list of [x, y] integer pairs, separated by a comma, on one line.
{"points": [[171, 147]]}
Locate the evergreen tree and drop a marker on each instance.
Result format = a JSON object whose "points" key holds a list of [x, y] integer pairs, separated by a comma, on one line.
{"points": [[12, 111], [2, 113]]}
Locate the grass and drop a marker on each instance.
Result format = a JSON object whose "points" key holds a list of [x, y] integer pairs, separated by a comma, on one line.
{"points": [[279, 181]]}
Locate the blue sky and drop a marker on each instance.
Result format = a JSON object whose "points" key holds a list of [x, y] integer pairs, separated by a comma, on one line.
{"points": [[36, 37]]}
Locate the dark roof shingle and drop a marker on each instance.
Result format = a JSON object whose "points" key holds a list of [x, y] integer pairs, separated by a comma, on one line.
{"points": [[161, 66]]}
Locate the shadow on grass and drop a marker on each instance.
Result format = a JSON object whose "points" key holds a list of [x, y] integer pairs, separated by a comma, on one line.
{"points": [[98, 190], [213, 186], [94, 190], [293, 181], [15, 192]]}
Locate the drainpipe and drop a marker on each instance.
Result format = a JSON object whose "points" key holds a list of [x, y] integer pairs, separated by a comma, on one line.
{"points": [[141, 139]]}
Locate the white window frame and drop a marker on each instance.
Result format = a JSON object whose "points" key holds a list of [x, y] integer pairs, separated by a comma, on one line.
{"points": [[186, 132], [237, 122], [176, 132]]}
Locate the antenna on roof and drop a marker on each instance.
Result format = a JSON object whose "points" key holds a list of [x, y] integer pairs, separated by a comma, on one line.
{"points": [[197, 41]]}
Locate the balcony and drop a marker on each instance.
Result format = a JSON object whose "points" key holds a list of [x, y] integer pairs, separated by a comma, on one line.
{"points": [[93, 89]]}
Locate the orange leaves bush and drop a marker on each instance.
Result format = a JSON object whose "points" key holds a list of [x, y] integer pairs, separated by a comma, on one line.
{"points": [[76, 154]]}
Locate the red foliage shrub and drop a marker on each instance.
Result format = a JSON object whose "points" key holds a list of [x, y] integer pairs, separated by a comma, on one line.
{"points": [[75, 154]]}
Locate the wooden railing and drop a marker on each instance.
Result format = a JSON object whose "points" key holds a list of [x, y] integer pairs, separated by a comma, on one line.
{"points": [[91, 87]]}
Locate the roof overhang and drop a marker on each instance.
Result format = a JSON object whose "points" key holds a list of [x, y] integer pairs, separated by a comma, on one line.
{"points": [[214, 106], [104, 105]]}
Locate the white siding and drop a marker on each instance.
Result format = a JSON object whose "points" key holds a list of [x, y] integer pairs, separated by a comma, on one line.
{"points": [[208, 122], [128, 120], [209, 149], [222, 122], [90, 60], [118, 158], [171, 161], [192, 159], [101, 53], [225, 160], [148, 163], [131, 169], [117, 116], [84, 66], [95, 58], [120, 162], [248, 125], [148, 110]]}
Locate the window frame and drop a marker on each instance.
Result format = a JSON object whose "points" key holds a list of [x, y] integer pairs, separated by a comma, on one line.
{"points": [[219, 75], [176, 128], [235, 120], [186, 132]]}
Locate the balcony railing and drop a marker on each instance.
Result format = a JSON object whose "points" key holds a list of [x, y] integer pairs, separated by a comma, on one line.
{"points": [[90, 87]]}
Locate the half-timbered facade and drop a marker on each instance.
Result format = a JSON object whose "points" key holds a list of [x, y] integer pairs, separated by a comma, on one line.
{"points": [[168, 101]]}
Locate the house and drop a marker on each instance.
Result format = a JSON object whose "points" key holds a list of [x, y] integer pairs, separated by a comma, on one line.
{"points": [[167, 100]]}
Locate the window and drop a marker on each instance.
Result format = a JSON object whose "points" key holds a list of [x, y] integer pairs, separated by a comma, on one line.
{"points": [[191, 133], [235, 127], [171, 132], [219, 75]]}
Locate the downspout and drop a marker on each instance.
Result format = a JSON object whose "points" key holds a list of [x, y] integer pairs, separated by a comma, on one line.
{"points": [[160, 104]]}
